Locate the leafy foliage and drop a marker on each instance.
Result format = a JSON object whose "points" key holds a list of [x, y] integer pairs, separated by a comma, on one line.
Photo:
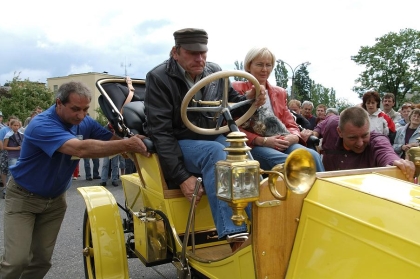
{"points": [[280, 72], [341, 104], [322, 95], [100, 116], [23, 97], [302, 84], [392, 65], [239, 67]]}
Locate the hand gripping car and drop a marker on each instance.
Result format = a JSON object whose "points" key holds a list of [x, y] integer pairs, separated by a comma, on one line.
{"points": [[343, 224]]}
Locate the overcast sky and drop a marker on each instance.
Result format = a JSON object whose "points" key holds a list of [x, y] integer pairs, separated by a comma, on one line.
{"points": [[42, 39]]}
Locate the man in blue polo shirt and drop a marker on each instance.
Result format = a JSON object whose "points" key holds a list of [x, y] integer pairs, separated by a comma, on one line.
{"points": [[35, 197]]}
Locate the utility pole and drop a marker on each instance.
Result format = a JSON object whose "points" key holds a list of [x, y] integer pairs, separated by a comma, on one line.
{"points": [[125, 65]]}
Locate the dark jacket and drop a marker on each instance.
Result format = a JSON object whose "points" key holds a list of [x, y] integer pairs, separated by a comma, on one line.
{"points": [[301, 121], [165, 89]]}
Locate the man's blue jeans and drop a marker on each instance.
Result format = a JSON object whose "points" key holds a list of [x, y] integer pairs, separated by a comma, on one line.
{"points": [[269, 157], [95, 169], [201, 156], [114, 168]]}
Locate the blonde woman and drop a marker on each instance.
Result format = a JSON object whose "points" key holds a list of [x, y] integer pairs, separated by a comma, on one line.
{"points": [[271, 148]]}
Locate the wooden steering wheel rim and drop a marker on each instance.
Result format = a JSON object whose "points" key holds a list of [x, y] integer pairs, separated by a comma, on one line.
{"points": [[218, 75]]}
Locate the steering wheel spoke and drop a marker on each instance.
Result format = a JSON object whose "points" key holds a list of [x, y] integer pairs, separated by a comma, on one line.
{"points": [[218, 107]]}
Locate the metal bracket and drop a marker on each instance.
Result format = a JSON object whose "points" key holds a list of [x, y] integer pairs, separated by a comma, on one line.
{"points": [[183, 270], [268, 203], [239, 237]]}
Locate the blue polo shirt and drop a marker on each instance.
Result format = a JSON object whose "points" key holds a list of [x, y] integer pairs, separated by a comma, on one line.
{"points": [[41, 169]]}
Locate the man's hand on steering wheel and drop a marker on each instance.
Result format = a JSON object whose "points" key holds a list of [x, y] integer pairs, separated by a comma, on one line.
{"points": [[261, 98]]}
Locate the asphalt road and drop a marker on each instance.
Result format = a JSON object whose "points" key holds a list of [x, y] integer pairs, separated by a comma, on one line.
{"points": [[67, 258]]}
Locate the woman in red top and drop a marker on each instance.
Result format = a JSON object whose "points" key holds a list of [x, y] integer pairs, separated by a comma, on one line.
{"points": [[379, 121], [272, 132]]}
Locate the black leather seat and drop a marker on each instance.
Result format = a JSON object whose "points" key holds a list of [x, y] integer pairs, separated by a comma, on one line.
{"points": [[134, 117]]}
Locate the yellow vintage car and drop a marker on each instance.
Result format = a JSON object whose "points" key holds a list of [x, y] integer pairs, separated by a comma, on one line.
{"points": [[361, 223]]}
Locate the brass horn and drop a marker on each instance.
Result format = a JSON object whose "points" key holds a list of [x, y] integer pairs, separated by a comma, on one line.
{"points": [[298, 173]]}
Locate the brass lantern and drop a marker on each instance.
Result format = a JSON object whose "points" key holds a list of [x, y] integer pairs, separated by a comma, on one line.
{"points": [[237, 177]]}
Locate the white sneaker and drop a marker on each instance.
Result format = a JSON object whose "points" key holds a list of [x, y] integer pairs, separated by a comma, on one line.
{"points": [[74, 178]]}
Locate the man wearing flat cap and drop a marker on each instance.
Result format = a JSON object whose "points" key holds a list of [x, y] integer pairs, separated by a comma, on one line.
{"points": [[183, 153]]}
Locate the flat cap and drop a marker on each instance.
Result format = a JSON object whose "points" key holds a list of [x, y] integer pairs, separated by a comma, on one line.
{"points": [[191, 39]]}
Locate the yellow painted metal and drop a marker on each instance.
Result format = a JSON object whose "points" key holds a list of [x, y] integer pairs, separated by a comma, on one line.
{"points": [[107, 233], [140, 237], [150, 171], [358, 226], [239, 265], [132, 191], [176, 209]]}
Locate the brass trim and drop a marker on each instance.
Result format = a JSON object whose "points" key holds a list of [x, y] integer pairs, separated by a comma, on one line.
{"points": [[268, 203], [272, 179]]}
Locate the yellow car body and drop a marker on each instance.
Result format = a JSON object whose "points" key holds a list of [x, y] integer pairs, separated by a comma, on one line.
{"points": [[361, 223], [357, 224]]}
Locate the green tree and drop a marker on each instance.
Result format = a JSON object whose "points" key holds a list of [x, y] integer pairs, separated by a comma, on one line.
{"points": [[342, 104], [302, 84], [327, 96], [23, 97], [391, 65], [321, 95], [100, 117], [280, 73], [239, 67]]}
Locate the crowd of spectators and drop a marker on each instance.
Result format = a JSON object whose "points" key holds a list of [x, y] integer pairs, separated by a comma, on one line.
{"points": [[364, 135]]}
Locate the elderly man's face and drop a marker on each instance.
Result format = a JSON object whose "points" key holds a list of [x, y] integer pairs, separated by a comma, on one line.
{"points": [[306, 110], [355, 138], [193, 62]]}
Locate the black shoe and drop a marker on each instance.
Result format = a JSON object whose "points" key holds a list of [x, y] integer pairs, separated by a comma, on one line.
{"points": [[89, 179], [114, 183], [96, 177], [103, 184]]}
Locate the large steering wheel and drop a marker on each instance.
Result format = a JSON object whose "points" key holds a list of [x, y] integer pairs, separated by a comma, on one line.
{"points": [[218, 106]]}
